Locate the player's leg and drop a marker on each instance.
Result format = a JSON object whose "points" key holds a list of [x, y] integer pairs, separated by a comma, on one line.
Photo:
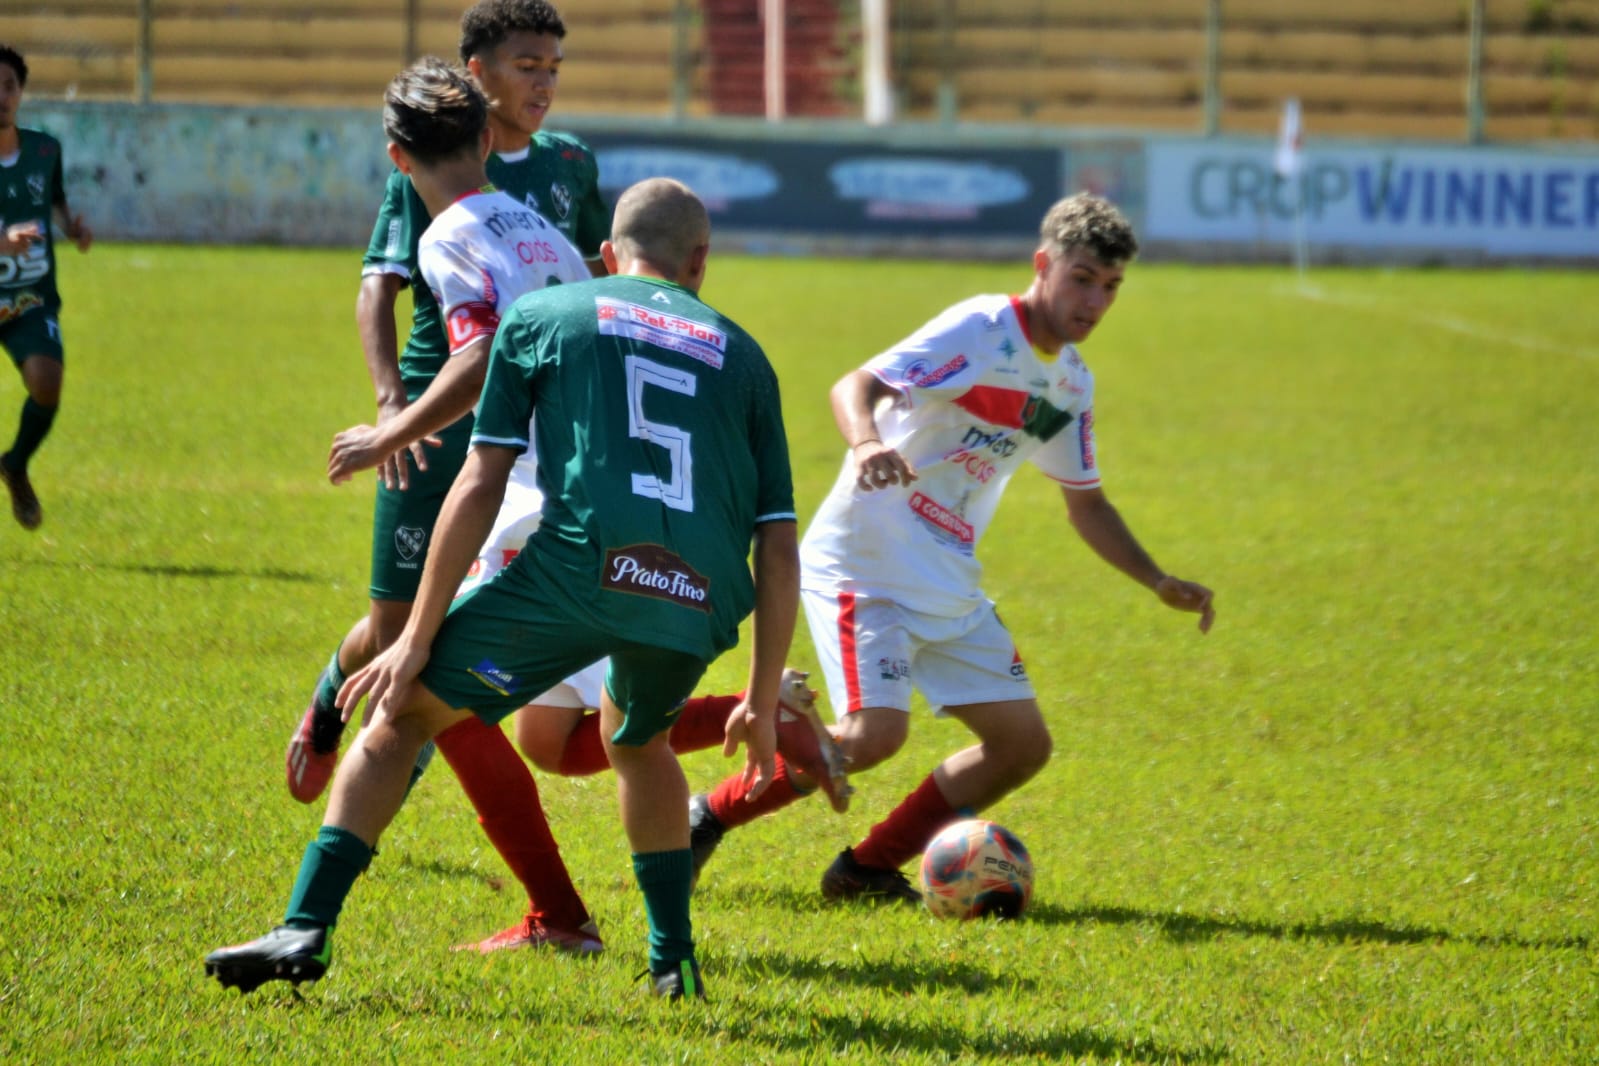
{"points": [[971, 669], [402, 527], [367, 792], [34, 343], [643, 691], [858, 645]]}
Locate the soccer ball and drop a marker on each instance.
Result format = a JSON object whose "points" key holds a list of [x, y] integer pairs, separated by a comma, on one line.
{"points": [[973, 868]]}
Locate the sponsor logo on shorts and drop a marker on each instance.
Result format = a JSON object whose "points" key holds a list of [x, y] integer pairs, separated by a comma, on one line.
{"points": [[651, 570], [408, 541], [945, 524], [924, 376], [501, 681], [893, 669], [1018, 669], [620, 318]]}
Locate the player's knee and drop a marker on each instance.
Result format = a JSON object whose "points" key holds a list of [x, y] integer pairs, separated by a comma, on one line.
{"points": [[42, 377], [1028, 750], [872, 735]]}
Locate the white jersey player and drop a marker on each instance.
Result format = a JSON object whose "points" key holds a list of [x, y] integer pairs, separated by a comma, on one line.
{"points": [[890, 580], [478, 257]]}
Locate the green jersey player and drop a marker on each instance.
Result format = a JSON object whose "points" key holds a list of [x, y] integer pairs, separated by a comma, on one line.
{"points": [[513, 49], [32, 195], [663, 456]]}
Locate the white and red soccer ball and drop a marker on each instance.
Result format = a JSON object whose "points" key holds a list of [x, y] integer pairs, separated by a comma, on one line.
{"points": [[974, 868]]}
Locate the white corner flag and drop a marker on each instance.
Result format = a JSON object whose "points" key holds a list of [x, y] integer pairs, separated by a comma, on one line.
{"points": [[1290, 141], [1288, 162]]}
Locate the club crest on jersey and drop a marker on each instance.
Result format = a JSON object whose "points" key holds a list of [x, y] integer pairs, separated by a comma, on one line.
{"points": [[620, 318], [653, 571], [36, 188], [561, 199], [408, 541]]}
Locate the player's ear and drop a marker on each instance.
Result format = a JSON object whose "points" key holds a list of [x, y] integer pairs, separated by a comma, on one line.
{"points": [[399, 158], [694, 268], [1041, 261], [608, 257]]}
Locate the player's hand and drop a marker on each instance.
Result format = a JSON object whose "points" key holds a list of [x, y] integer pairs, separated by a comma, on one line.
{"points": [[385, 681], [78, 232], [354, 449], [758, 734], [20, 237], [1188, 596], [877, 466], [393, 468]]}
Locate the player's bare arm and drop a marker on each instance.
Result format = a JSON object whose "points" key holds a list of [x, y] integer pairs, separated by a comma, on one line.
{"points": [[77, 230], [374, 321], [464, 523], [449, 397], [1100, 525], [855, 398], [754, 722]]}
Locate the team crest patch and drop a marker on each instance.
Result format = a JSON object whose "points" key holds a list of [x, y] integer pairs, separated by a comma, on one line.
{"points": [[36, 188], [653, 571], [561, 199], [408, 541]]}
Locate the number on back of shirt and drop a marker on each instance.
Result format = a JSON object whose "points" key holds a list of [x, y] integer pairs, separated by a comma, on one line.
{"points": [[677, 490]]}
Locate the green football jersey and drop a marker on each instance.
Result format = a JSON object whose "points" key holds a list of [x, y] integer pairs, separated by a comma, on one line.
{"points": [[556, 176], [30, 187], [661, 448]]}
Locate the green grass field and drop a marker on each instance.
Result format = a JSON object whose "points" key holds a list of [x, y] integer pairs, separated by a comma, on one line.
{"points": [[1356, 823]]}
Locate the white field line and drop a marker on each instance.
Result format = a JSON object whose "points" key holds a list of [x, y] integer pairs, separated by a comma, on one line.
{"points": [[1453, 323]]}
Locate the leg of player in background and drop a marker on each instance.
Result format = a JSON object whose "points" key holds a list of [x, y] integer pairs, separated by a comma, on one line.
{"points": [[41, 376]]}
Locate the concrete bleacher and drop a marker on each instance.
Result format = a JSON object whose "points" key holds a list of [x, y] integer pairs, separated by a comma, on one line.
{"points": [[1359, 67]]}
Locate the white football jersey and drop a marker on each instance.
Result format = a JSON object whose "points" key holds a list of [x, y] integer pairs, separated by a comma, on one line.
{"points": [[975, 401], [479, 255]]}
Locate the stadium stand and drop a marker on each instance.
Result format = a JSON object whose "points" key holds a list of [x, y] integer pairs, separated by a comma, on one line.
{"points": [[1359, 67]]}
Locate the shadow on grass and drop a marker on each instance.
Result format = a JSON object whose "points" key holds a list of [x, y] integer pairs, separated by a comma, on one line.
{"points": [[1052, 1043], [1185, 928], [886, 975], [267, 573]]}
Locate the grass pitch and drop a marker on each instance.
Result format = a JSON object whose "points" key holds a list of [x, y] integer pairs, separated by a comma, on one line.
{"points": [[1354, 823]]}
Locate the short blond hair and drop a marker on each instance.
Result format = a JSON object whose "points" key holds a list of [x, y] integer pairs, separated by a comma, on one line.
{"points": [[1090, 223]]}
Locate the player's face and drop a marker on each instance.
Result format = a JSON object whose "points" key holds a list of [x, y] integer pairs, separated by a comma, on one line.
{"points": [[1075, 291], [10, 96], [519, 79]]}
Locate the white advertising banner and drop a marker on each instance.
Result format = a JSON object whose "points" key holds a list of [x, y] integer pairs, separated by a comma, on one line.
{"points": [[1488, 200]]}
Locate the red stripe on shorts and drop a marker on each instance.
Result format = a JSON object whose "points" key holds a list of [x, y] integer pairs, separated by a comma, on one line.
{"points": [[846, 650]]}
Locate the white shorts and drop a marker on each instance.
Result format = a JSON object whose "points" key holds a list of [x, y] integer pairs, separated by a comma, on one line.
{"points": [[873, 651], [512, 527]]}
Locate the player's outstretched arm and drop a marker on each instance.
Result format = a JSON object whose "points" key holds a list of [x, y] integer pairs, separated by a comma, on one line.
{"points": [[776, 566], [1100, 525], [464, 523], [74, 227], [450, 396]]}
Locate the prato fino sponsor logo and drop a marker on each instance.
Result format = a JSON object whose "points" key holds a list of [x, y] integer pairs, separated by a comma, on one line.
{"points": [[651, 570]]}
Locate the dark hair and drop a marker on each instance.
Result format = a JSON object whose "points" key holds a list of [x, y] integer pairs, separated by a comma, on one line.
{"points": [[487, 23], [433, 110], [13, 58], [1091, 223]]}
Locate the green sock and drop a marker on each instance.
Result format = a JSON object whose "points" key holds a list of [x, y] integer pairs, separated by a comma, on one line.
{"points": [[31, 431], [665, 877], [328, 871], [329, 683]]}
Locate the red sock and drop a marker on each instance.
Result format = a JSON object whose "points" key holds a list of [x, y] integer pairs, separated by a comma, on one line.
{"points": [[700, 724], [499, 785], [727, 800], [907, 829]]}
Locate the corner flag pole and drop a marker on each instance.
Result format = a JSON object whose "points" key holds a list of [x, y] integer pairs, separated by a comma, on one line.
{"points": [[1289, 162]]}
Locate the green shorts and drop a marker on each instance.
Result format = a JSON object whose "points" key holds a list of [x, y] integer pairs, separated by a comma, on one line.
{"points": [[37, 332], [509, 640], [402, 519]]}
